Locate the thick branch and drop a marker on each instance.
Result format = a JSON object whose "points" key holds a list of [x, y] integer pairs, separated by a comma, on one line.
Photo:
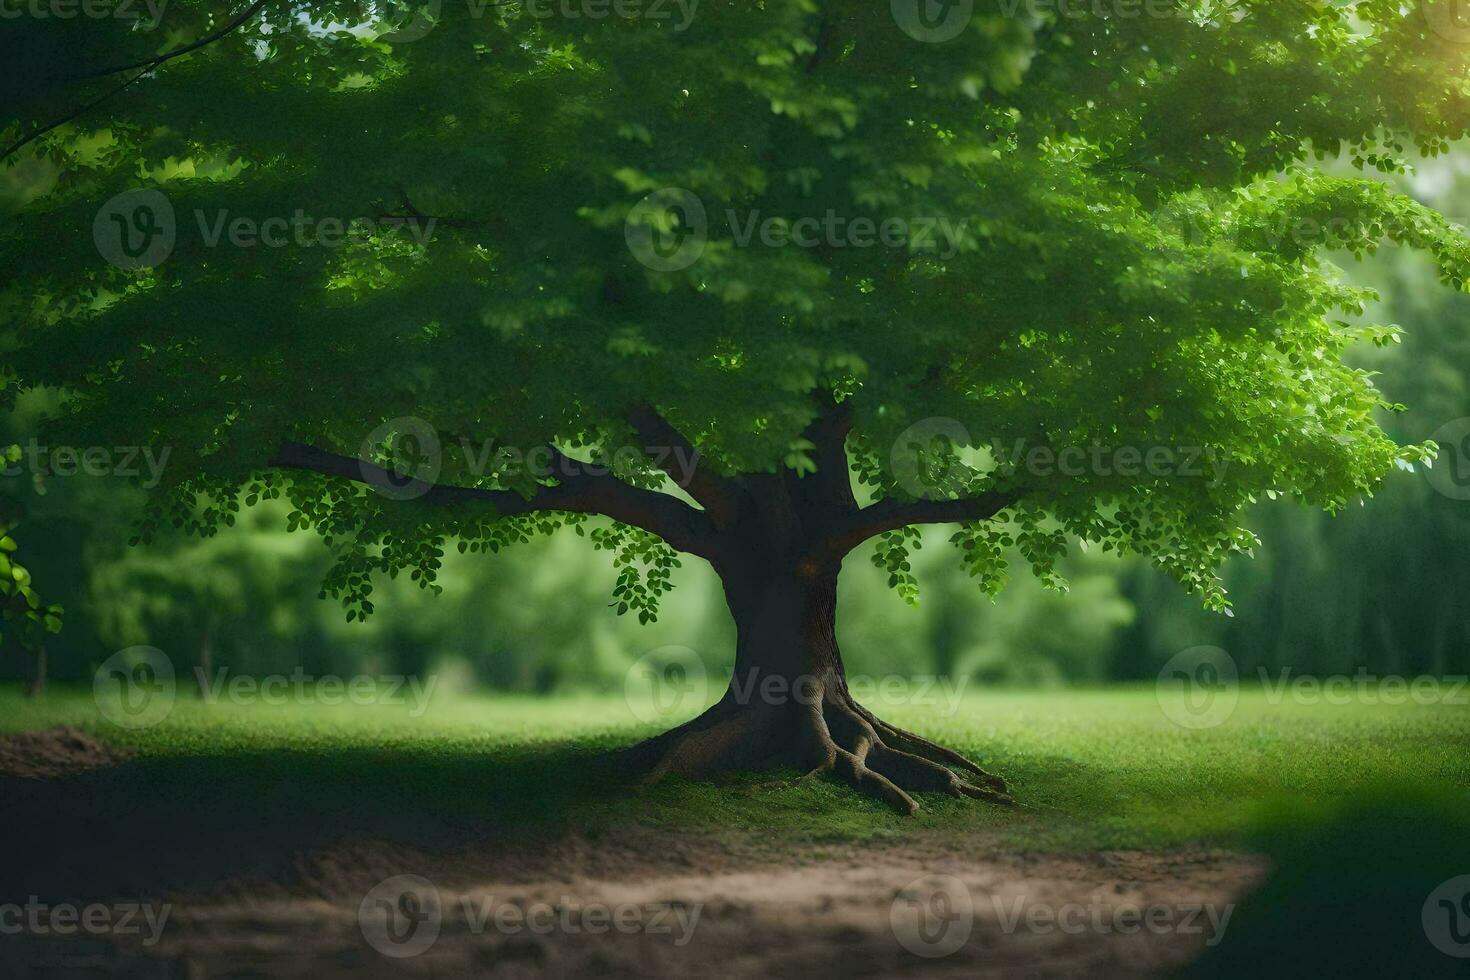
{"points": [[684, 464], [578, 490], [890, 515]]}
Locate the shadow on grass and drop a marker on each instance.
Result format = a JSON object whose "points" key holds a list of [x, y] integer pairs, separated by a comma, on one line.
{"points": [[1364, 890], [162, 823]]}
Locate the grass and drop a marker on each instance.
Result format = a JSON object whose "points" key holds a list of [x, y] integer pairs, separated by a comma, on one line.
{"points": [[1095, 768]]}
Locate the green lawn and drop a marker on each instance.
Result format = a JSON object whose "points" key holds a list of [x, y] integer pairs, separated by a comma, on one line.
{"points": [[1093, 768]]}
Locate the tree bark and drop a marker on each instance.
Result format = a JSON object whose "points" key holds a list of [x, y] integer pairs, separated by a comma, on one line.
{"points": [[788, 703]]}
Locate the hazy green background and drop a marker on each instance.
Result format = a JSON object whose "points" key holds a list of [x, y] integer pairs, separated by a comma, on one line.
{"points": [[1381, 587]]}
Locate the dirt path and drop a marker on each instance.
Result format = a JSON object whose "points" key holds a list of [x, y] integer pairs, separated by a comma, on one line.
{"points": [[647, 903]]}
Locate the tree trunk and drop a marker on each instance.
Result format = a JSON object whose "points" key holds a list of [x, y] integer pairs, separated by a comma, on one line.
{"points": [[37, 687], [206, 661], [788, 704]]}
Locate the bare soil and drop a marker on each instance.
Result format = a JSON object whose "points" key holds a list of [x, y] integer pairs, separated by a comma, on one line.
{"points": [[692, 904], [53, 753], [268, 888]]}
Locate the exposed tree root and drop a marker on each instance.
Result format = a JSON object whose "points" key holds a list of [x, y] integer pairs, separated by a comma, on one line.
{"points": [[826, 733]]}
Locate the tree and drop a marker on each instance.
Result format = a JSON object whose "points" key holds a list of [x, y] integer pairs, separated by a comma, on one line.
{"points": [[25, 619], [759, 282]]}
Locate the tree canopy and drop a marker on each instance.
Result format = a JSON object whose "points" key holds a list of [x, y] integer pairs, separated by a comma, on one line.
{"points": [[744, 239]]}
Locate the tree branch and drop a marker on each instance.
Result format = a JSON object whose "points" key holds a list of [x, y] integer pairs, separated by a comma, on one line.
{"points": [[45, 128], [578, 490], [180, 51], [146, 66], [890, 515], [684, 464]]}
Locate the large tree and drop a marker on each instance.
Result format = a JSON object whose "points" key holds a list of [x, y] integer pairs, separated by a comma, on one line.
{"points": [[758, 281]]}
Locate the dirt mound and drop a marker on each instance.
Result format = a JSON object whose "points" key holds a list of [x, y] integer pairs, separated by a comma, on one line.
{"points": [[54, 752]]}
